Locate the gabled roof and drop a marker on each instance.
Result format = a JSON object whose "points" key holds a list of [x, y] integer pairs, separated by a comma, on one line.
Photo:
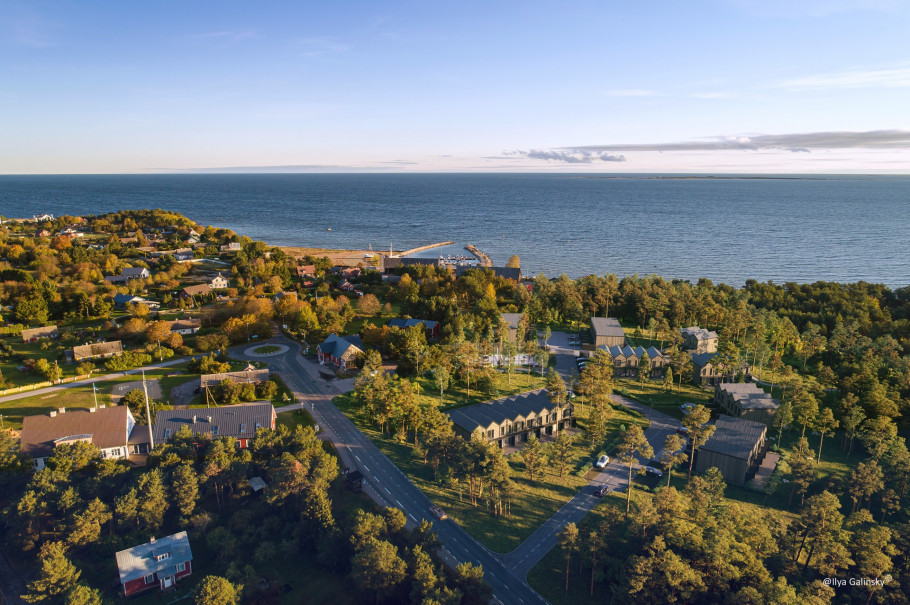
{"points": [[197, 289], [408, 323], [606, 326], [702, 359], [133, 272], [337, 347], [749, 396], [123, 299], [628, 352], [97, 349], [140, 561], [496, 412], [735, 437], [189, 323], [227, 420], [45, 332], [698, 333], [107, 427]]}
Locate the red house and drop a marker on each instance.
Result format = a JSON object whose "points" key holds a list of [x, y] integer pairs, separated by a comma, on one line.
{"points": [[157, 564]]}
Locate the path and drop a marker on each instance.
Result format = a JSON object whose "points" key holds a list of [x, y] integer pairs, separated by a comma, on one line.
{"points": [[99, 378], [385, 483]]}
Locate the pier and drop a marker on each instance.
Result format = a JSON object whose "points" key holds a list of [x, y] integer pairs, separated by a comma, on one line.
{"points": [[422, 248], [482, 259]]}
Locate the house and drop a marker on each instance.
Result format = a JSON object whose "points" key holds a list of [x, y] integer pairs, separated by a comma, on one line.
{"points": [[40, 218], [186, 326], [250, 374], [339, 351], [95, 350], [432, 327], [239, 421], [231, 247], [513, 320], [123, 301], [111, 429], [737, 448], [626, 361], [157, 564], [351, 273], [33, 334], [388, 263], [44, 233], [128, 274], [511, 420], [707, 372], [197, 290], [699, 340], [745, 400], [306, 271], [219, 282], [606, 332]]}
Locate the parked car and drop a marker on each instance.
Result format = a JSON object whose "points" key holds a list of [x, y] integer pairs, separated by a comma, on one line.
{"points": [[602, 490], [602, 462], [439, 513], [650, 470], [687, 407], [570, 395], [682, 430]]}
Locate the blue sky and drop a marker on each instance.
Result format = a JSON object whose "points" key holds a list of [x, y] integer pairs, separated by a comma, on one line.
{"points": [[614, 87]]}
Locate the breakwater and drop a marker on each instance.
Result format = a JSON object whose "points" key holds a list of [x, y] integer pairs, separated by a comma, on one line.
{"points": [[427, 247], [482, 258]]}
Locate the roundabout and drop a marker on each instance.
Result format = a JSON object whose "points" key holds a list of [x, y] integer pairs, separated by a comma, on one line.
{"points": [[265, 350]]}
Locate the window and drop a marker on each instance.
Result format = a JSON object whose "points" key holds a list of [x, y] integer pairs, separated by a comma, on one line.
{"points": [[242, 428], [167, 433], [181, 567], [115, 452], [215, 430], [149, 578], [258, 425], [163, 556]]}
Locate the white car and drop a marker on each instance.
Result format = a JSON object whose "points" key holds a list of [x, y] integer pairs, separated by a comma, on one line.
{"points": [[603, 461]]}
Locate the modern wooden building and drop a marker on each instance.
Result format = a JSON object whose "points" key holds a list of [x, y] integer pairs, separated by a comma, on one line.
{"points": [[432, 327], [626, 361], [157, 564], [95, 350], [745, 400], [737, 448], [606, 332], [511, 420], [706, 372], [699, 340]]}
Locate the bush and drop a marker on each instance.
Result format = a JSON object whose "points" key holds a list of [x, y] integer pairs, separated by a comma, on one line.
{"points": [[208, 364], [584, 469], [128, 360], [266, 390]]}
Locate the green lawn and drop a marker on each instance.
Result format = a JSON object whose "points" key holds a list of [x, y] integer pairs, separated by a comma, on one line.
{"points": [[294, 418], [457, 395], [532, 504], [653, 393], [266, 349]]}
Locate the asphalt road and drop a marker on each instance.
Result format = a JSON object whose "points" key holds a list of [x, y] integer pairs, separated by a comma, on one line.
{"points": [[388, 486], [385, 483]]}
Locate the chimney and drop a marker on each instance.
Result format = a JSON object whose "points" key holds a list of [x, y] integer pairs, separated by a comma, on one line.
{"points": [[92, 410], [61, 410], [101, 406], [53, 414], [194, 419], [210, 418], [152, 540]]}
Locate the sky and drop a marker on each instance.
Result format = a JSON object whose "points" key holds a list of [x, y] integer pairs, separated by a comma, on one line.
{"points": [[604, 86]]}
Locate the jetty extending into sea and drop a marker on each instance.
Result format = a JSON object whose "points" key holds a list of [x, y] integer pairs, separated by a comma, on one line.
{"points": [[422, 248]]}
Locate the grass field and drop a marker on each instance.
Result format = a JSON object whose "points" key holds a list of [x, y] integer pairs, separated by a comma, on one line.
{"points": [[532, 504], [653, 393], [457, 395]]}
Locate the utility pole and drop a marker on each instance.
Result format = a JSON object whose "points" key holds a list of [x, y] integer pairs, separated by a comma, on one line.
{"points": [[148, 413], [95, 394]]}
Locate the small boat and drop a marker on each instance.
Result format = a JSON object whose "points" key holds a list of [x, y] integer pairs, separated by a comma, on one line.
{"points": [[329, 229]]}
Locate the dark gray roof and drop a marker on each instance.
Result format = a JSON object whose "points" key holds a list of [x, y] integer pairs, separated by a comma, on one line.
{"points": [[337, 346], [735, 437], [701, 359], [229, 420], [512, 318], [606, 326], [698, 333], [498, 411], [628, 351], [395, 262], [139, 561], [749, 395], [407, 323]]}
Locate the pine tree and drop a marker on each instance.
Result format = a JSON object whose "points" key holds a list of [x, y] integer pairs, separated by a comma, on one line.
{"points": [[57, 575]]}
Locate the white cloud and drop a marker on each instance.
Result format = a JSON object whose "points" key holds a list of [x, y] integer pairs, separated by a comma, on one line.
{"points": [[896, 77]]}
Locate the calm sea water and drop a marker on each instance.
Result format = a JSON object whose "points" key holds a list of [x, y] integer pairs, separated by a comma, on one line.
{"points": [[842, 229]]}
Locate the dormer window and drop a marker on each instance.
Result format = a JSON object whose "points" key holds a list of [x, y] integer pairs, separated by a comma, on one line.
{"points": [[215, 430], [242, 428], [163, 556]]}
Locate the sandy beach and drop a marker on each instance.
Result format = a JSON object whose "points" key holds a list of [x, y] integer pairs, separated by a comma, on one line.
{"points": [[339, 257]]}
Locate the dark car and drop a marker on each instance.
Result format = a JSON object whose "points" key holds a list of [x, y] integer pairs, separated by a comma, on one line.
{"points": [[682, 430], [602, 490], [439, 513]]}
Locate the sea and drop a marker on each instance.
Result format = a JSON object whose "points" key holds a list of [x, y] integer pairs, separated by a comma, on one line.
{"points": [[727, 229]]}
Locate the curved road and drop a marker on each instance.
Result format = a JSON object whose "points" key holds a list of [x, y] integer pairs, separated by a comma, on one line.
{"points": [[388, 486]]}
